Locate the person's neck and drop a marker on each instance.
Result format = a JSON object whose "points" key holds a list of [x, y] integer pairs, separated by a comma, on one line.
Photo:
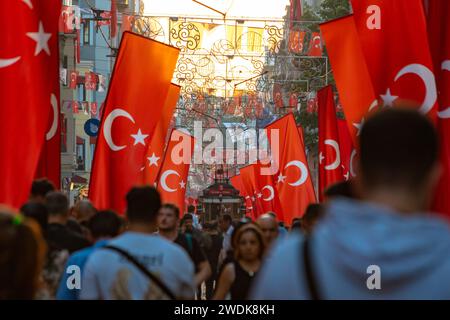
{"points": [[397, 200], [57, 218], [169, 234], [250, 265], [147, 228]]}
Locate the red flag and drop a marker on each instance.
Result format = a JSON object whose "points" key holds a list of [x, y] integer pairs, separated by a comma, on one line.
{"points": [[127, 120], [93, 109], [277, 95], [295, 11], [29, 59], [346, 149], [50, 160], [393, 36], [76, 44], [73, 79], [90, 81], [296, 39], [439, 35], [330, 170], [75, 107], [292, 179], [350, 71], [106, 15], [127, 22], [301, 133], [293, 100], [315, 45], [248, 179], [237, 182], [172, 180], [113, 18], [155, 151]]}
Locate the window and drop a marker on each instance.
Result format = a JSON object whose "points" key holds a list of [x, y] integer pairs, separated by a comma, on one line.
{"points": [[86, 33], [80, 154], [63, 133]]}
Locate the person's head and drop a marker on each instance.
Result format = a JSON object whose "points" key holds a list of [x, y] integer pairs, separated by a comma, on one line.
{"points": [[188, 222], [191, 209], [38, 212], [269, 227], [168, 217], [22, 254], [398, 159], [225, 222], [40, 188], [104, 224], [313, 213], [296, 226], [143, 204], [83, 210], [57, 206], [248, 243], [340, 189]]}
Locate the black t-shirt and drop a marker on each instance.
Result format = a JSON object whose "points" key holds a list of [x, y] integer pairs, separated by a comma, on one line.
{"points": [[61, 237], [195, 252]]}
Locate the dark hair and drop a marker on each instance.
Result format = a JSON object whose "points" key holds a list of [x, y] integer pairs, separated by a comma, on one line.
{"points": [[191, 208], [143, 204], [22, 253], [172, 207], [340, 189], [296, 226], [41, 187], [188, 216], [243, 229], [272, 214], [38, 212], [398, 147], [313, 212], [105, 224], [227, 217], [57, 203]]}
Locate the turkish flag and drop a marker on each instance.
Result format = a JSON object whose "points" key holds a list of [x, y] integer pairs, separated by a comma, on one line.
{"points": [[90, 81], [292, 178], [350, 71], [315, 45], [301, 133], [73, 79], [330, 168], [248, 178], [172, 180], [29, 59], [50, 160], [133, 106], [295, 12], [155, 151], [347, 149], [277, 95], [236, 182], [394, 41], [93, 109], [439, 37]]}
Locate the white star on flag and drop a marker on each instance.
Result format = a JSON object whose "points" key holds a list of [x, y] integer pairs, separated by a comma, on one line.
{"points": [[139, 138], [359, 126], [321, 157], [41, 39], [153, 160], [259, 195], [253, 199], [388, 98], [347, 176], [182, 184], [28, 3], [281, 178]]}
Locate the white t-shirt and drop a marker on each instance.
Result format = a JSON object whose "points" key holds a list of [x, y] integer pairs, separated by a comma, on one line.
{"points": [[109, 275]]}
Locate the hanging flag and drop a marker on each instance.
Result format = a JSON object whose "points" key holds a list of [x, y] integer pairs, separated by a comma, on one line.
{"points": [[29, 59], [106, 19], [127, 22], [302, 134], [295, 11], [330, 167], [155, 151], [293, 179], [350, 71], [296, 39], [113, 18], [293, 100], [75, 107], [277, 95], [394, 41], [315, 45], [127, 120], [236, 182], [93, 109], [248, 179], [90, 81], [347, 150], [439, 37], [76, 44], [172, 180], [73, 79]]}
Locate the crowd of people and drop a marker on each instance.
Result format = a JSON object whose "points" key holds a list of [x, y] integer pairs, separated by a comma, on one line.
{"points": [[156, 252]]}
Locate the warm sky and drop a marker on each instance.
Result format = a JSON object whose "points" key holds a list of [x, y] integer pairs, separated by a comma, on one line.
{"points": [[274, 9]]}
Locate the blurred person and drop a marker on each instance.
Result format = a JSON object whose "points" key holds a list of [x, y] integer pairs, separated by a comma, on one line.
{"points": [[103, 226], [38, 212], [168, 222], [269, 228], [237, 276], [340, 189], [39, 189], [383, 247], [22, 254], [313, 213], [80, 213], [212, 254], [282, 232], [225, 224], [139, 264]]}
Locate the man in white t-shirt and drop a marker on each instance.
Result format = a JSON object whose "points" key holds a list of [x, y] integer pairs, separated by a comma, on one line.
{"points": [[110, 275]]}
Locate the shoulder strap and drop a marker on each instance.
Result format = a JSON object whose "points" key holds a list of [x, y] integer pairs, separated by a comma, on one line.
{"points": [[309, 273], [144, 270]]}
